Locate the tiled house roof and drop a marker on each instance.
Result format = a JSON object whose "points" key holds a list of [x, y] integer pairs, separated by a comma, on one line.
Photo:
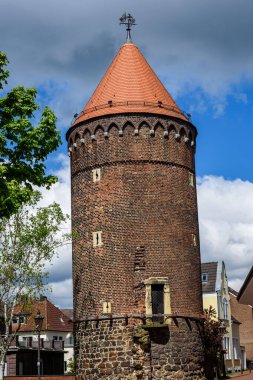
{"points": [[130, 85], [68, 313], [245, 294], [232, 291], [54, 318], [210, 269]]}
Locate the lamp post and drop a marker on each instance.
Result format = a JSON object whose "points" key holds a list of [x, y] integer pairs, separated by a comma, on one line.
{"points": [[38, 325]]}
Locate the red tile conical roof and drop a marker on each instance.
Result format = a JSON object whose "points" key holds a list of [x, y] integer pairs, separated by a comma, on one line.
{"points": [[130, 85]]}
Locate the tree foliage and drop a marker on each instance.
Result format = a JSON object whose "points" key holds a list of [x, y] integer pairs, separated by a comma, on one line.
{"points": [[28, 241], [214, 331], [23, 146], [71, 367]]}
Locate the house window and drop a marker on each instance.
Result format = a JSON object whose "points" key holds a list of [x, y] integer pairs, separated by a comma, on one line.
{"points": [[25, 341], [225, 308], [96, 175], [57, 337], [19, 319], [22, 319], [157, 301], [236, 348], [227, 347], [97, 239], [70, 340], [204, 277]]}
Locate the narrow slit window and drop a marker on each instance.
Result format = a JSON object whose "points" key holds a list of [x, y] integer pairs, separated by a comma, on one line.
{"points": [[107, 307], [194, 240], [191, 179], [96, 175], [97, 239]]}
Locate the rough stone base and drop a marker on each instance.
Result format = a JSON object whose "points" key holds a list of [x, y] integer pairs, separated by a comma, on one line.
{"points": [[114, 350]]}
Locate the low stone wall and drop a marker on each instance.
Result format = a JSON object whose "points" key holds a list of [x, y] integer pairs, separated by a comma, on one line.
{"points": [[116, 350], [42, 377], [103, 350]]}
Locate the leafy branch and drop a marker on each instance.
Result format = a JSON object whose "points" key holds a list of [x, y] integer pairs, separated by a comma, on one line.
{"points": [[28, 241]]}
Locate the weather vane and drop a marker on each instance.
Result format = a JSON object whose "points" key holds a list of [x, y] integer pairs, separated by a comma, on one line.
{"points": [[129, 21]]}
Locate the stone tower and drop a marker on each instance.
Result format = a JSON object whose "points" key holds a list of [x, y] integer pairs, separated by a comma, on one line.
{"points": [[136, 259]]}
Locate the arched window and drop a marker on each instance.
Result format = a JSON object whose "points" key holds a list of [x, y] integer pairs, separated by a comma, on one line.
{"points": [[225, 308]]}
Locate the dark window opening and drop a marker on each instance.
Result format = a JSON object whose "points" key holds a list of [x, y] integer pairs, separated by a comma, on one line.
{"points": [[19, 319], [20, 368], [157, 302]]}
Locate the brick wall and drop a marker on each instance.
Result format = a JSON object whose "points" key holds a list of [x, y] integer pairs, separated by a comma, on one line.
{"points": [[143, 199], [145, 205], [243, 313], [11, 364]]}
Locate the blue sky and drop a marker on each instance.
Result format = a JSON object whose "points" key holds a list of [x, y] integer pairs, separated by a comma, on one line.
{"points": [[201, 50], [225, 141]]}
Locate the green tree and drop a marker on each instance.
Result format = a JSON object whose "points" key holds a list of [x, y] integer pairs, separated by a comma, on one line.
{"points": [[214, 331], [28, 240], [23, 146], [71, 367]]}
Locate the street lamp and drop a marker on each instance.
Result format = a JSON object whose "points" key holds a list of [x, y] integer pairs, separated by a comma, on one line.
{"points": [[38, 325]]}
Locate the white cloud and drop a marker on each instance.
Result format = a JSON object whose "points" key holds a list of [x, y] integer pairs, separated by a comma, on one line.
{"points": [[241, 97], [60, 192], [226, 224], [60, 268], [61, 293]]}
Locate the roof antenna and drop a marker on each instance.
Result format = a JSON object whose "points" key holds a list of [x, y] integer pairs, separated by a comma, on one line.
{"points": [[129, 21]]}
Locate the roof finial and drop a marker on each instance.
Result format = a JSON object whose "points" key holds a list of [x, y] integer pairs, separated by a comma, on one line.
{"points": [[129, 21]]}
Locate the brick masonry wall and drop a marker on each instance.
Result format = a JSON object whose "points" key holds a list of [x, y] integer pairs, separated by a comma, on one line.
{"points": [[244, 314], [144, 199], [11, 364], [115, 351], [145, 207]]}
